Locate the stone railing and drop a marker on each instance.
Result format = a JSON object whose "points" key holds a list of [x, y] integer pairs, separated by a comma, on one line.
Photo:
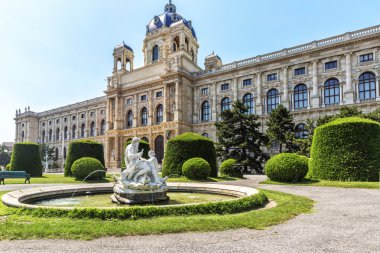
{"points": [[294, 50]]}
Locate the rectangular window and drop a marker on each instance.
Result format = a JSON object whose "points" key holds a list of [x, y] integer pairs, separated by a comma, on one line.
{"points": [[204, 91], [272, 77], [129, 101], [300, 71], [225, 86], [158, 94], [57, 121], [143, 97], [74, 117], [331, 65], [92, 114], [82, 116], [247, 82], [366, 57], [49, 123], [64, 119], [43, 124], [101, 112]]}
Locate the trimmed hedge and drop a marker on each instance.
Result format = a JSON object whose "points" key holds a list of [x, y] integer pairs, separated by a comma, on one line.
{"points": [[196, 168], [287, 167], [229, 168], [83, 168], [26, 157], [346, 149], [143, 145], [185, 146], [139, 212], [80, 149], [8, 167]]}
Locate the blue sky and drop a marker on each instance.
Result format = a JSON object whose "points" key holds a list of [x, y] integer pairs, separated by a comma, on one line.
{"points": [[57, 52]]}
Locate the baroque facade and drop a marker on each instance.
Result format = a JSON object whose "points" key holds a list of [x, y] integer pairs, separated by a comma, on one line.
{"points": [[171, 94]]}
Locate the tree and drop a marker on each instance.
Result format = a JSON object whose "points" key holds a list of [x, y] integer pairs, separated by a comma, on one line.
{"points": [[239, 138], [345, 112], [375, 115], [281, 128], [5, 155], [45, 148], [305, 144]]}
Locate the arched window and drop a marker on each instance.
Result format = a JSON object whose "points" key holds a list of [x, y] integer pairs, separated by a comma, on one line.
{"points": [[175, 44], [159, 114], [82, 130], [102, 127], [43, 136], [144, 116], [273, 100], [155, 53], [128, 65], [22, 136], [159, 148], [65, 131], [300, 131], [332, 92], [225, 104], [248, 102], [129, 119], [92, 128], [205, 111], [118, 64], [73, 132], [300, 96], [50, 135], [367, 86], [57, 134], [186, 44]]}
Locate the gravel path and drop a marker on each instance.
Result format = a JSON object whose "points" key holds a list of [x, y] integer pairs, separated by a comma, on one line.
{"points": [[344, 220]]}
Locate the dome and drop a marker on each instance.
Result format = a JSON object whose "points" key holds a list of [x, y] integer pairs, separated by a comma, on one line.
{"points": [[168, 19]]}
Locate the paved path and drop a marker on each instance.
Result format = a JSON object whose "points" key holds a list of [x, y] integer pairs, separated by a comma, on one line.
{"points": [[345, 220]]}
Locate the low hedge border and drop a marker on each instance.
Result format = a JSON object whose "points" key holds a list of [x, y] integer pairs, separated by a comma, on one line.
{"points": [[133, 213]]}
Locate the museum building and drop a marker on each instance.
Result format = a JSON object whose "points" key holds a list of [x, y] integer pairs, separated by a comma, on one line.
{"points": [[171, 94]]}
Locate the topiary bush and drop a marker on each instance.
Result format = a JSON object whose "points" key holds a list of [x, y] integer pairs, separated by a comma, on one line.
{"points": [[185, 146], [83, 168], [143, 146], [346, 149], [196, 168], [287, 167], [83, 148], [26, 157], [8, 167], [229, 168]]}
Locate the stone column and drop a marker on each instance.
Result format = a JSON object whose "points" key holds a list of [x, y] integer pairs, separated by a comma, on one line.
{"points": [[150, 108], [349, 92], [214, 114], [195, 106], [315, 96], [117, 113], [109, 112], [259, 105], [177, 111], [285, 88], [166, 103], [235, 88], [135, 111]]}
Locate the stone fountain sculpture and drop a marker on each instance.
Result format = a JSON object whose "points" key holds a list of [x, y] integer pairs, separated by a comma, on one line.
{"points": [[139, 182]]}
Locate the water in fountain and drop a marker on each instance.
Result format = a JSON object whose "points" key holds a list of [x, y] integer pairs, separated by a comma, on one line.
{"points": [[88, 177]]}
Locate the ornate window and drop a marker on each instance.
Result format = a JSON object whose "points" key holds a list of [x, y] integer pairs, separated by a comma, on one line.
{"points": [[225, 104], [205, 111], [248, 102], [273, 100], [272, 77], [300, 131], [366, 57], [300, 71], [300, 96], [159, 114], [367, 86], [155, 53], [92, 129], [144, 116], [129, 119], [247, 82], [331, 65], [332, 92], [82, 130], [102, 127]]}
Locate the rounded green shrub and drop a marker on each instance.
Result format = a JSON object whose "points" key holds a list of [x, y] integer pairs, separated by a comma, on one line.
{"points": [[185, 146], [229, 168], [83, 148], [26, 157], [83, 168], [143, 146], [287, 167], [346, 149], [196, 168]]}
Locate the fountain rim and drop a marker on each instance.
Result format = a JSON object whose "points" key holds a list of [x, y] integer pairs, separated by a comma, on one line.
{"points": [[20, 198]]}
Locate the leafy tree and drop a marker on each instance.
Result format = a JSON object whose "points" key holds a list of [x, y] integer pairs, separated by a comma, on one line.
{"points": [[375, 115], [281, 128], [5, 156], [50, 152], [239, 138], [345, 112], [305, 144]]}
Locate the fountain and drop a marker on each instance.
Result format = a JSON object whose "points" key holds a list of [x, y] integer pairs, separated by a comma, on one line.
{"points": [[139, 182]]}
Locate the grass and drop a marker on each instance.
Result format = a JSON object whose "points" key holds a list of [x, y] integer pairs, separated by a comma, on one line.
{"points": [[342, 184], [60, 179], [14, 226]]}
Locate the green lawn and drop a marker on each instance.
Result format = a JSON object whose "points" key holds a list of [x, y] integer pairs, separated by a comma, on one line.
{"points": [[60, 179], [342, 184], [14, 226]]}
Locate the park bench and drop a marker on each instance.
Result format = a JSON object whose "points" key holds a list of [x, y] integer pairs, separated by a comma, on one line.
{"points": [[14, 174]]}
